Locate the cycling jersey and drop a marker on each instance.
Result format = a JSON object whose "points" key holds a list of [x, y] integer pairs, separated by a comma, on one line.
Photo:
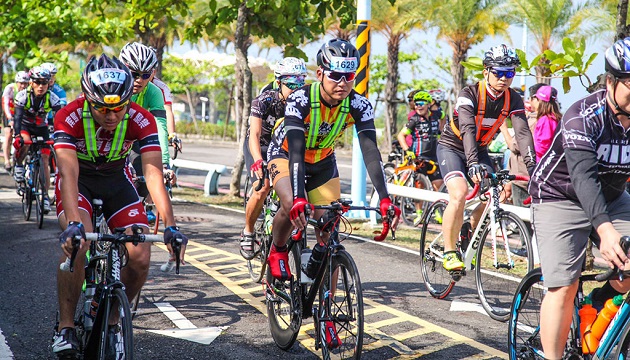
{"points": [[151, 99], [166, 91], [31, 111], [70, 133], [8, 107], [271, 86], [424, 135], [269, 107], [472, 138], [61, 94], [588, 161]]}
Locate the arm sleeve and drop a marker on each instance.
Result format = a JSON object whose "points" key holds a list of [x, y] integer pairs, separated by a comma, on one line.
{"points": [[297, 148], [17, 120], [523, 136], [582, 165], [373, 162], [466, 112]]}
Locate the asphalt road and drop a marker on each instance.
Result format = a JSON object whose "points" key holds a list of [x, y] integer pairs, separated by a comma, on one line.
{"points": [[214, 290]]}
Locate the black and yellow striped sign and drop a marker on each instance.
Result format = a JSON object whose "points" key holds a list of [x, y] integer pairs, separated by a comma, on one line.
{"points": [[363, 45]]}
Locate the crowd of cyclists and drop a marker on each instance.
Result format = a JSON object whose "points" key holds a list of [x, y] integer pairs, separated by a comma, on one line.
{"points": [[119, 128]]}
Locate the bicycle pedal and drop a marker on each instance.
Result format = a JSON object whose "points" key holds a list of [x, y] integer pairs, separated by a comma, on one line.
{"points": [[457, 275]]}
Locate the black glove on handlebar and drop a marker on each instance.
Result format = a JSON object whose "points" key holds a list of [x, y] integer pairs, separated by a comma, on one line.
{"points": [[172, 232], [74, 229], [476, 169]]}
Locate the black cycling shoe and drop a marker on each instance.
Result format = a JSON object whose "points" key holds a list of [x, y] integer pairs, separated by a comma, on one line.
{"points": [[247, 246]]}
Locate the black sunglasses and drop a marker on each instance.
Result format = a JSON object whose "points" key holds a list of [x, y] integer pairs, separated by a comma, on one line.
{"points": [[144, 76], [40, 82]]}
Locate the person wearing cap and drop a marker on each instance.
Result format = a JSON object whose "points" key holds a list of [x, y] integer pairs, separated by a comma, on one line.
{"points": [[548, 114], [578, 190], [8, 109], [462, 150], [301, 154]]}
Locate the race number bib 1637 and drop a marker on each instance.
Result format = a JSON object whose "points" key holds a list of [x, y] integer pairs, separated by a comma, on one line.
{"points": [[344, 64], [104, 76]]}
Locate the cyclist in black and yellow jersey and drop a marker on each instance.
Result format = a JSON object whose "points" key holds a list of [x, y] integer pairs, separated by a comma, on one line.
{"points": [[301, 154]]}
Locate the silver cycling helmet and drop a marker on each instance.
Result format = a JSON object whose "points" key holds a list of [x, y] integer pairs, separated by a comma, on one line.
{"points": [[290, 66], [22, 77], [50, 66], [138, 57], [501, 56]]}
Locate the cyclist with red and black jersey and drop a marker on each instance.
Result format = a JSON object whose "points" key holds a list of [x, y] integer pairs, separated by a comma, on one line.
{"points": [[31, 107], [8, 109], [266, 109], [578, 186], [463, 147], [301, 154], [93, 136]]}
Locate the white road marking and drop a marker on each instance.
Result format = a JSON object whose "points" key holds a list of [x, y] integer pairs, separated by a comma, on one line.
{"points": [[186, 329], [5, 351], [457, 305]]}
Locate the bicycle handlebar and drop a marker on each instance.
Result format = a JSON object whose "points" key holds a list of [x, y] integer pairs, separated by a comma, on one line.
{"points": [[624, 242], [68, 265], [495, 179], [47, 142]]}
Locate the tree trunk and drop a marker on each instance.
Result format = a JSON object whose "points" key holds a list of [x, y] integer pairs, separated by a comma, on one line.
{"points": [[244, 91], [156, 38], [460, 53], [229, 111], [622, 15], [391, 90], [191, 105]]}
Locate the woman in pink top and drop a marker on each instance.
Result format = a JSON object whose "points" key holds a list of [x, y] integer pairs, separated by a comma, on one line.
{"points": [[549, 115]]}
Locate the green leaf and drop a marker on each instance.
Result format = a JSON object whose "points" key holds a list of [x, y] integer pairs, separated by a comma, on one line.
{"points": [[568, 46], [566, 85]]}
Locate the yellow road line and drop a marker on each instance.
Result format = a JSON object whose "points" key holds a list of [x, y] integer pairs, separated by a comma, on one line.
{"points": [[220, 261]]}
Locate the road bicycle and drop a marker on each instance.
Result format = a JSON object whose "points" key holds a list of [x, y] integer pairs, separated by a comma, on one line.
{"points": [[524, 324], [499, 249], [34, 185], [103, 297], [412, 172], [262, 233], [336, 286]]}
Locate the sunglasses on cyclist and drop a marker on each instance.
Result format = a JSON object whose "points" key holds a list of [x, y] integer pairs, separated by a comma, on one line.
{"points": [[293, 82], [338, 76], [422, 103], [144, 76], [105, 109], [501, 73], [40, 82]]}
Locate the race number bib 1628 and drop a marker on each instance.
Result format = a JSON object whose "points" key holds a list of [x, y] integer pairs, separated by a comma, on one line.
{"points": [[104, 76], [344, 64]]}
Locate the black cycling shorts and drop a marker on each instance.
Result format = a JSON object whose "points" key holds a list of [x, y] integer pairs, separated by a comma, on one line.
{"points": [[453, 162]]}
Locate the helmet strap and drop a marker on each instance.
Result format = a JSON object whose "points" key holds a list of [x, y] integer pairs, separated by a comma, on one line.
{"points": [[611, 98], [494, 91]]}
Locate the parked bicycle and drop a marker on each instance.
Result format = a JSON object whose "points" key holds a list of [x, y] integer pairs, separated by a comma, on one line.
{"points": [[336, 286], [176, 144], [34, 185], [499, 249], [103, 297], [524, 326], [262, 233]]}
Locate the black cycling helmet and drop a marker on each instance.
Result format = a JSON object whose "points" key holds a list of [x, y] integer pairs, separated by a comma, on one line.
{"points": [[107, 82], [337, 48], [618, 58], [501, 56]]}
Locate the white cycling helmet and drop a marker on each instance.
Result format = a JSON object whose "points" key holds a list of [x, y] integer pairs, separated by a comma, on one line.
{"points": [[22, 77], [290, 66], [50, 66], [138, 57], [438, 95]]}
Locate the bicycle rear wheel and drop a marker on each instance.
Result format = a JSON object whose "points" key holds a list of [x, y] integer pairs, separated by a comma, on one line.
{"points": [[27, 195], [117, 340], [346, 307], [438, 281], [284, 303], [39, 180], [524, 341], [409, 206], [496, 284], [262, 244], [623, 349]]}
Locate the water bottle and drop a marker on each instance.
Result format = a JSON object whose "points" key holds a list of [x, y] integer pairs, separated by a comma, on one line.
{"points": [[317, 255], [595, 331], [588, 314], [88, 318], [306, 255]]}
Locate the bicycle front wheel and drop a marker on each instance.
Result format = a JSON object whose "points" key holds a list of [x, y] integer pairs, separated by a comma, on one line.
{"points": [[344, 308], [497, 281], [524, 341], [262, 244], [39, 180], [117, 340], [438, 281], [284, 303]]}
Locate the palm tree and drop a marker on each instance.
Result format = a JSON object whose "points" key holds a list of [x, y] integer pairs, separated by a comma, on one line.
{"points": [[462, 24], [396, 23], [598, 18]]}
